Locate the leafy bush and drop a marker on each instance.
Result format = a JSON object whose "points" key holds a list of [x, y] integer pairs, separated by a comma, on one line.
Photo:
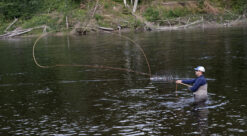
{"points": [[179, 12], [78, 14], [19, 8], [106, 5], [41, 20], [239, 6], [126, 11], [3, 25], [27, 8], [36, 21], [120, 1], [151, 14], [98, 17]]}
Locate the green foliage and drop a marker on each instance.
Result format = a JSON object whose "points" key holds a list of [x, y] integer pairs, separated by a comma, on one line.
{"points": [[33, 13], [151, 14], [41, 20], [239, 6], [78, 14], [200, 3], [3, 25], [2, 20], [104, 23], [126, 11], [27, 8], [19, 8], [59, 5], [98, 17], [106, 5], [120, 1], [179, 12], [36, 21], [138, 23]]}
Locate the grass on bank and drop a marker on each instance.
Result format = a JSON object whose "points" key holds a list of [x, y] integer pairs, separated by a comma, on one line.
{"points": [[110, 13], [153, 14]]}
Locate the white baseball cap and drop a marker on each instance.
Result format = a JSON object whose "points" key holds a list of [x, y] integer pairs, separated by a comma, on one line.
{"points": [[200, 68]]}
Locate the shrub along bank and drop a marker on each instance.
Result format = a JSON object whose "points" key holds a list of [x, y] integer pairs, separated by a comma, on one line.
{"points": [[111, 13]]}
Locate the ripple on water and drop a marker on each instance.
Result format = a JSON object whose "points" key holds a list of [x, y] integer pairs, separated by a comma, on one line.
{"points": [[81, 81], [179, 103], [161, 79], [47, 90], [133, 92], [236, 130], [6, 128], [135, 116], [19, 84], [206, 58]]}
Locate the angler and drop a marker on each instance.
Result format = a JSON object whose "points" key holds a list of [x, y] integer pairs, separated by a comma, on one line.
{"points": [[200, 85]]}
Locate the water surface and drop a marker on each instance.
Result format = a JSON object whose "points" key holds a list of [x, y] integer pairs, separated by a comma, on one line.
{"points": [[86, 101]]}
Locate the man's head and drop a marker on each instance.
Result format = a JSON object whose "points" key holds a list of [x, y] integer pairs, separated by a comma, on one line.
{"points": [[199, 70]]}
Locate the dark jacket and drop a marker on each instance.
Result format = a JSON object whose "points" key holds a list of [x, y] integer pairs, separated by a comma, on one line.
{"points": [[197, 82]]}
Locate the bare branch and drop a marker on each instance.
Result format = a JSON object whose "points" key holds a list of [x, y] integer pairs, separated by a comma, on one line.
{"points": [[16, 19]]}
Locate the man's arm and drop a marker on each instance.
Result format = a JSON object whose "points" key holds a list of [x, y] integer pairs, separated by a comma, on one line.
{"points": [[196, 85], [189, 81]]}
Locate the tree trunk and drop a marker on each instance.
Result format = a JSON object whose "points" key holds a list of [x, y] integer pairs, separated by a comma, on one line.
{"points": [[67, 23], [135, 6], [125, 3]]}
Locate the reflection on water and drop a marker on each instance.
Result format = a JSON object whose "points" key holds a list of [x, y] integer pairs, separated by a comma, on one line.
{"points": [[83, 101]]}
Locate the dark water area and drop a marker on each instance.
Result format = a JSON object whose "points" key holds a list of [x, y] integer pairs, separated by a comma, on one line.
{"points": [[90, 101]]}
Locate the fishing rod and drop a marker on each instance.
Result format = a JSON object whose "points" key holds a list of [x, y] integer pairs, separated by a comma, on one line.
{"points": [[181, 84], [185, 84]]}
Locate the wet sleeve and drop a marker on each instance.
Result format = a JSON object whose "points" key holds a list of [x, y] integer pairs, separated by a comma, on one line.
{"points": [[189, 81], [196, 85]]}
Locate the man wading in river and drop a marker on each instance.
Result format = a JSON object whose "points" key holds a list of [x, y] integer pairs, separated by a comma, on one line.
{"points": [[199, 87]]}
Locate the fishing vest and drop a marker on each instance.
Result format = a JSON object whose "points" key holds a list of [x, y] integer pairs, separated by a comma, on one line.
{"points": [[201, 94]]}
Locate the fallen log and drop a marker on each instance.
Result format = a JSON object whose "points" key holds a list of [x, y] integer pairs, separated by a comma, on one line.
{"points": [[17, 32], [234, 21], [178, 27], [3, 35], [106, 28], [20, 32]]}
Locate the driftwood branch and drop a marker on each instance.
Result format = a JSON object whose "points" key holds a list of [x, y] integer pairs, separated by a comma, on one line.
{"points": [[90, 17], [67, 23], [106, 29], [235, 21], [11, 24], [193, 23], [17, 32], [178, 27], [187, 23], [44, 30], [95, 8]]}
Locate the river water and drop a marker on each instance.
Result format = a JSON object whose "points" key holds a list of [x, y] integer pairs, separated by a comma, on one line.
{"points": [[92, 101]]}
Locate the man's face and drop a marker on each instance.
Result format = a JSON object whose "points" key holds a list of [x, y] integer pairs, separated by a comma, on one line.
{"points": [[198, 73]]}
